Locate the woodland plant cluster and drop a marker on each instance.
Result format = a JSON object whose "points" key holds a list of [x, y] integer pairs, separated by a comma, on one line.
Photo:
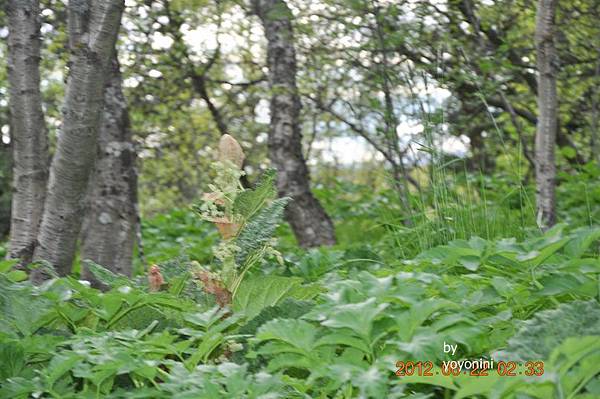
{"points": [[250, 322]]}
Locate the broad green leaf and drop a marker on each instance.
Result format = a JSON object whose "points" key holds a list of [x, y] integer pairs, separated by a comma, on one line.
{"points": [[6, 265], [12, 359], [424, 345], [573, 350], [338, 338], [289, 360], [17, 275], [203, 351], [503, 286], [470, 262], [419, 313], [358, 317], [559, 284], [206, 319], [60, 365], [289, 307], [257, 292], [296, 333], [581, 241]]}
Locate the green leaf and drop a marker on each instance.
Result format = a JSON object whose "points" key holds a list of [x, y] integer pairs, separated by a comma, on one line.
{"points": [[547, 330], [19, 387], [573, 350], [179, 283], [59, 366], [471, 386], [6, 265], [568, 152], [410, 321], [295, 333], [207, 319], [582, 239], [258, 292], [503, 286], [358, 317], [546, 246], [17, 275], [12, 359], [105, 276], [202, 352], [248, 202], [470, 262], [559, 284], [289, 307], [424, 344], [338, 338]]}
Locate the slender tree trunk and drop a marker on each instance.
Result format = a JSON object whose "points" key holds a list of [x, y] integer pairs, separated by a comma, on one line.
{"points": [[109, 227], [28, 131], [399, 172], [5, 188], [93, 27], [545, 138], [311, 225]]}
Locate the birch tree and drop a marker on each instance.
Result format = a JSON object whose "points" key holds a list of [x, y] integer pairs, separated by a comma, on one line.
{"points": [[547, 124], [109, 226], [311, 225], [93, 28], [28, 131]]}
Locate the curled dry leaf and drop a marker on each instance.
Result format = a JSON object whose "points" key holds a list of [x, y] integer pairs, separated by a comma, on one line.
{"points": [[226, 227], [230, 150], [155, 279], [213, 286]]}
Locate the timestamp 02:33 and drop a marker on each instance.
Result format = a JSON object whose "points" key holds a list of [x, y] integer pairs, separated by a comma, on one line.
{"points": [[476, 369]]}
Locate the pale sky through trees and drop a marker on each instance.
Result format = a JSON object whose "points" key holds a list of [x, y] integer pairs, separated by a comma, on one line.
{"points": [[205, 39]]}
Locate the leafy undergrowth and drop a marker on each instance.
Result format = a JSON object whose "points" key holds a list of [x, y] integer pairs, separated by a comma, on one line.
{"points": [[331, 324], [236, 318]]}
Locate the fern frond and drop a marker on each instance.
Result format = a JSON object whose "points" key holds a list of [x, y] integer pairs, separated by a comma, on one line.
{"points": [[538, 336], [249, 202], [105, 276], [258, 231]]}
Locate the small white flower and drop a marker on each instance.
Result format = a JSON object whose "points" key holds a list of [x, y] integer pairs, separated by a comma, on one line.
{"points": [[125, 289]]}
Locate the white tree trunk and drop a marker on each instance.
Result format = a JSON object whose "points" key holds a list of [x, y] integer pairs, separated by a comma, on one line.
{"points": [[93, 28], [28, 131], [109, 226], [311, 225], [545, 138]]}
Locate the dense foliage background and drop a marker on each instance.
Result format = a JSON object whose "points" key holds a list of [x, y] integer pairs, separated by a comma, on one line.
{"points": [[418, 125]]}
